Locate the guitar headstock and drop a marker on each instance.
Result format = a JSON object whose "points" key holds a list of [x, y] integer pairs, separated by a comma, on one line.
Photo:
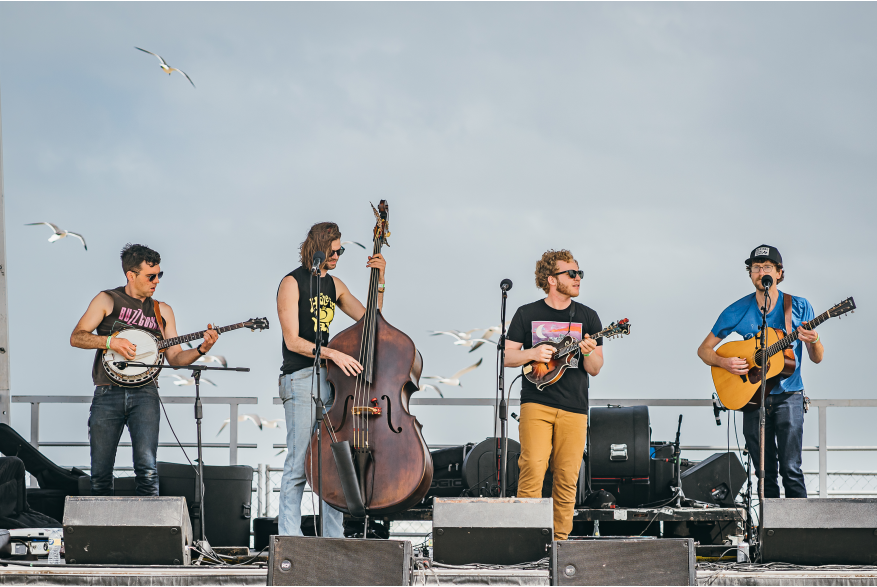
{"points": [[620, 328], [382, 224], [254, 323], [848, 305]]}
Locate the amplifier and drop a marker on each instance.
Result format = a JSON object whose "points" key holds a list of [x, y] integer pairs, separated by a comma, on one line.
{"points": [[127, 531], [619, 453], [623, 561], [296, 560], [828, 531], [717, 479], [499, 531]]}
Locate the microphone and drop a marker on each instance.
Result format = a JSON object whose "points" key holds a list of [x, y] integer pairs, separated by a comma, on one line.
{"points": [[121, 365], [766, 281], [505, 284], [716, 410], [319, 258]]}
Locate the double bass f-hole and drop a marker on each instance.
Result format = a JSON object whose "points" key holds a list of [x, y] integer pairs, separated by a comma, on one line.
{"points": [[344, 413], [390, 415]]}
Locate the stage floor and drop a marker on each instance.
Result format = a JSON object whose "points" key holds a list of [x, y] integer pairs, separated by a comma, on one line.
{"points": [[707, 574]]}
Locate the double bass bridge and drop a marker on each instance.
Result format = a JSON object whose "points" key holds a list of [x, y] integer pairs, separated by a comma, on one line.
{"points": [[372, 410]]}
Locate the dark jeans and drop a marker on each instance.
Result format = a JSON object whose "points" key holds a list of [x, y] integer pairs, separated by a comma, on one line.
{"points": [[112, 408], [784, 437]]}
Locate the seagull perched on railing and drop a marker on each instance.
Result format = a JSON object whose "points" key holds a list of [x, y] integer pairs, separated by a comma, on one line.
{"points": [[59, 233], [167, 68], [455, 378]]}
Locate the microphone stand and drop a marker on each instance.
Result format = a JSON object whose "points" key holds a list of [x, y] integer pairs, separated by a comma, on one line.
{"points": [[762, 416], [200, 537], [503, 406], [318, 342]]}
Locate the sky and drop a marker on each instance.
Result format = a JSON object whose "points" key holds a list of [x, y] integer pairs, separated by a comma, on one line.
{"points": [[660, 143]]}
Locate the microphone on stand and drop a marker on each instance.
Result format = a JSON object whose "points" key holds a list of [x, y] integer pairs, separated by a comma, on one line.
{"points": [[505, 284], [319, 258], [121, 364], [716, 409], [766, 281]]}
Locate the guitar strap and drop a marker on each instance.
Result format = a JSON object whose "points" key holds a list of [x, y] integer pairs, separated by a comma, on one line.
{"points": [[787, 308], [158, 319]]}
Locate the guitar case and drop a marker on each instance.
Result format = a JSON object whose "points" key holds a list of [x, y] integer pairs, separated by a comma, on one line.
{"points": [[15, 511]]}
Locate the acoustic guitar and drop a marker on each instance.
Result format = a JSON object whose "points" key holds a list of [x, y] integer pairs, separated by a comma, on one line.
{"points": [[740, 392], [566, 354]]}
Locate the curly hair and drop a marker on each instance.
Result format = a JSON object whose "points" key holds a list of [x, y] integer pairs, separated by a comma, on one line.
{"points": [[319, 238], [779, 267], [134, 255], [547, 266]]}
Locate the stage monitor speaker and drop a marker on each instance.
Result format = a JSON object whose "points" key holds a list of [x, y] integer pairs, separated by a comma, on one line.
{"points": [[499, 531], [717, 479], [127, 531], [619, 452], [298, 560], [829, 531], [623, 561]]}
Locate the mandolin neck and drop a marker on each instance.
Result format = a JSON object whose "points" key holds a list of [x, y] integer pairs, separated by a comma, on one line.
{"points": [[164, 344]]}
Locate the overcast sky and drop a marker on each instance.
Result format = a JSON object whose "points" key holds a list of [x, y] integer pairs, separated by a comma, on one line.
{"points": [[658, 142]]}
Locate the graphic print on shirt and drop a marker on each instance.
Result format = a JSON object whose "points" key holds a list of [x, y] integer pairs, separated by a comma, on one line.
{"points": [[132, 317], [543, 330], [327, 312]]}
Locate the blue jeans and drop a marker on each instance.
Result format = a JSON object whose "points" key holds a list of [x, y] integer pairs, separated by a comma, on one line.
{"points": [[295, 391], [112, 408], [784, 438]]}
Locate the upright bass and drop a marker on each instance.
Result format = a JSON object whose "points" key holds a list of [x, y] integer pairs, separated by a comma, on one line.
{"points": [[393, 465]]}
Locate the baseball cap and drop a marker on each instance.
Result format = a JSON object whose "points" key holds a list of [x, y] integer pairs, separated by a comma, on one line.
{"points": [[765, 253]]}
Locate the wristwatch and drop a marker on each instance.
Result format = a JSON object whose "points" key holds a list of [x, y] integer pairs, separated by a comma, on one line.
{"points": [[200, 352]]}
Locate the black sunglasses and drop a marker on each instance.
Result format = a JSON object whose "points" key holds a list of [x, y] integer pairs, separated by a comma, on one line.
{"points": [[572, 273], [339, 251], [151, 277]]}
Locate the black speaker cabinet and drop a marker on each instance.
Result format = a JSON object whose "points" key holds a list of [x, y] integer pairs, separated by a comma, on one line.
{"points": [[619, 453], [127, 531], [298, 560], [499, 531], [717, 479], [623, 561], [829, 531]]}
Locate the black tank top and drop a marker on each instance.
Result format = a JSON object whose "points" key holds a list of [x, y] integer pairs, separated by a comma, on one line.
{"points": [[127, 312], [307, 324]]}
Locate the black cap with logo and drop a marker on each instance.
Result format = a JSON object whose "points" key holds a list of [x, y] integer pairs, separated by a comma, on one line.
{"points": [[765, 253]]}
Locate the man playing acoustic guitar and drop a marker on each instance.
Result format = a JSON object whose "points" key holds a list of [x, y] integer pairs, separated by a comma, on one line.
{"points": [[115, 406], [784, 406], [554, 421]]}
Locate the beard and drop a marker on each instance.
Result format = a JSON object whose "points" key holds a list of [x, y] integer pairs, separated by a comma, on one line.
{"points": [[566, 290]]}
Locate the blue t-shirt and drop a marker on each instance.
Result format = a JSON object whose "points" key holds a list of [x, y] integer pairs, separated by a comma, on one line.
{"points": [[744, 318]]}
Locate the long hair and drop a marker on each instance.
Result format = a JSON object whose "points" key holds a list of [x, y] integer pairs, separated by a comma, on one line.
{"points": [[319, 238], [547, 266]]}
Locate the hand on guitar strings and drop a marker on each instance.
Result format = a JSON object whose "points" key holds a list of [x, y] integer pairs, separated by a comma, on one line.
{"points": [[734, 365], [125, 348], [348, 364], [377, 262], [587, 345], [805, 335]]}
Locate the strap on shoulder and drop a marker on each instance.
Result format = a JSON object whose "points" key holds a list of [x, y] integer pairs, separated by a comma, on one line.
{"points": [[155, 305], [787, 309]]}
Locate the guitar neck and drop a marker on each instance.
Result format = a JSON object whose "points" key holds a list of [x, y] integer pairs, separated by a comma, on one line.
{"points": [[195, 336], [790, 338]]}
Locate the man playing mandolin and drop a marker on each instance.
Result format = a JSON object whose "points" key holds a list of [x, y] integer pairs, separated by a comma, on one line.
{"points": [[554, 421], [784, 406], [295, 308], [115, 406]]}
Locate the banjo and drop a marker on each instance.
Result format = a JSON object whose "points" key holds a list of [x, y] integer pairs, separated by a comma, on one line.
{"points": [[150, 352]]}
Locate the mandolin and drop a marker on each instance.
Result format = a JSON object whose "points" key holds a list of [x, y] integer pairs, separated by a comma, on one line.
{"points": [[566, 355], [150, 351], [740, 392]]}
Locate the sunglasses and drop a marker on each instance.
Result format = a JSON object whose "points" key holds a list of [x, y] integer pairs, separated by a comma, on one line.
{"points": [[152, 276], [572, 273], [338, 251]]}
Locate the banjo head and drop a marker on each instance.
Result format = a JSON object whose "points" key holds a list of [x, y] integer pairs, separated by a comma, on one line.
{"points": [[147, 352]]}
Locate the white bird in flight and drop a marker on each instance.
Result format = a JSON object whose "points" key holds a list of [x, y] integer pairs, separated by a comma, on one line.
{"points": [[425, 386], [209, 358], [180, 380], [255, 419], [59, 233], [352, 243], [167, 68], [460, 336], [485, 338], [455, 378]]}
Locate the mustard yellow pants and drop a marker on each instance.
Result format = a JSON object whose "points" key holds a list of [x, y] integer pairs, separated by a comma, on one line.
{"points": [[550, 432]]}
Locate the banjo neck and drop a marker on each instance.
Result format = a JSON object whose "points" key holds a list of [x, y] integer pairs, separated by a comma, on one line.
{"points": [[165, 344]]}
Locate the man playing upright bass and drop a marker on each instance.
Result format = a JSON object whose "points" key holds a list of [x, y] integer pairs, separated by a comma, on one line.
{"points": [[295, 308], [114, 406], [554, 421], [784, 406]]}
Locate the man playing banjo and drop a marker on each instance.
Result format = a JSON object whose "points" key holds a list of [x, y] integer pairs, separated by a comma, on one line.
{"points": [[113, 405]]}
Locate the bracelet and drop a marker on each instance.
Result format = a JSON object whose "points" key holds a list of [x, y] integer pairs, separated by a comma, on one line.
{"points": [[382, 287], [588, 355], [198, 348], [817, 338], [109, 338]]}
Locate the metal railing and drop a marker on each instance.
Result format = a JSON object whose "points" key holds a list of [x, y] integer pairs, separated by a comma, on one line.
{"points": [[232, 402]]}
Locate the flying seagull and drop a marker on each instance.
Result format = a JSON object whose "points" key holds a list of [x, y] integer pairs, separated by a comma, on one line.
{"points": [[485, 338], [455, 378], [460, 336], [352, 243], [208, 358], [167, 68], [255, 419], [425, 386], [59, 233], [180, 380]]}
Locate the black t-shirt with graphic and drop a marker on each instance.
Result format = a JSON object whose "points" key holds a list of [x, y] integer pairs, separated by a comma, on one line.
{"points": [[307, 324], [537, 322]]}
